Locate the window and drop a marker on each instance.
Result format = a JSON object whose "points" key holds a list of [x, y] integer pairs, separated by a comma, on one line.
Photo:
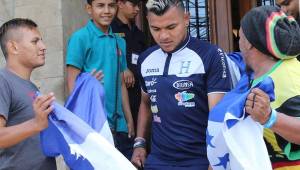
{"points": [[199, 18], [265, 2]]}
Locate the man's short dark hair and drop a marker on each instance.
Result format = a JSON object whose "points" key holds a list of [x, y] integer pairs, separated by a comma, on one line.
{"points": [[89, 2], [159, 7], [10, 25]]}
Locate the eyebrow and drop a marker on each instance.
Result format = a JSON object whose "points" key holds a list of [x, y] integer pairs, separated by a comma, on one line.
{"points": [[36, 39]]}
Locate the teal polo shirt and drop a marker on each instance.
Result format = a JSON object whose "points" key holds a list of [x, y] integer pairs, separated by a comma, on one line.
{"points": [[89, 48]]}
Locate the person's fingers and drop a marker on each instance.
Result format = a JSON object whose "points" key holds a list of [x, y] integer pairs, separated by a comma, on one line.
{"points": [[132, 81], [260, 92], [249, 110], [142, 161], [47, 101], [131, 134], [37, 101], [136, 161], [99, 75], [49, 110], [251, 96], [142, 164], [253, 101], [40, 100], [249, 103], [127, 80], [93, 72]]}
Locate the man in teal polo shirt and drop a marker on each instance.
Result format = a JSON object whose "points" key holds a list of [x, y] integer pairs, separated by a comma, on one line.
{"points": [[95, 47]]}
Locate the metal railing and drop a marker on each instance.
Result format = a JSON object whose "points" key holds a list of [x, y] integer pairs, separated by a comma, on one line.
{"points": [[199, 18], [265, 2]]}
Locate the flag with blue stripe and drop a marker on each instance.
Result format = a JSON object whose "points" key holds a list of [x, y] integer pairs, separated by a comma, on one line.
{"points": [[83, 138], [234, 139]]}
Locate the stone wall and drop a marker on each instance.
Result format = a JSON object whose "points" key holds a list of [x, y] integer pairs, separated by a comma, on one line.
{"points": [[57, 19], [6, 12]]}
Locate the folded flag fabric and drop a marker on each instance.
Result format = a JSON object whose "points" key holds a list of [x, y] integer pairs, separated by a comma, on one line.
{"points": [[236, 67], [234, 139], [87, 102], [72, 136], [237, 58]]}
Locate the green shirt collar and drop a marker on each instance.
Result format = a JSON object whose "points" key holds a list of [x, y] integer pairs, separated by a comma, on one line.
{"points": [[98, 32], [259, 79]]}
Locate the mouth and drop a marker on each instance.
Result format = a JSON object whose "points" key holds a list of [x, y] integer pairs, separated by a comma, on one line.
{"points": [[107, 17], [166, 43], [42, 55]]}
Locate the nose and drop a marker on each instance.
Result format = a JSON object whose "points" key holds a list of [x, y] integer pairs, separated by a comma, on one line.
{"points": [[163, 35], [106, 9], [137, 8], [43, 46]]}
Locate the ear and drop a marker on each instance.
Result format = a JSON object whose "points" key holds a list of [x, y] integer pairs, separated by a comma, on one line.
{"points": [[88, 8], [248, 45], [12, 47], [186, 18], [120, 4]]}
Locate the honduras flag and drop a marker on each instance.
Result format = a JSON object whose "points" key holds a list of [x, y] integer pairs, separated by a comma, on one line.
{"points": [[83, 147], [236, 66], [87, 102], [234, 140]]}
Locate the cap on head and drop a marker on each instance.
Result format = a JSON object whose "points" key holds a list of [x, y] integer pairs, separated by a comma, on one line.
{"points": [[271, 31]]}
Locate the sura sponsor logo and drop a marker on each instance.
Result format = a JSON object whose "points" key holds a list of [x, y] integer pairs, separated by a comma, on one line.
{"points": [[183, 84]]}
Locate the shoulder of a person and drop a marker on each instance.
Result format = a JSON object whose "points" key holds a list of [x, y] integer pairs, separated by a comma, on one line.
{"points": [[3, 78], [2, 74], [202, 47], [204, 44], [81, 33], [147, 53]]}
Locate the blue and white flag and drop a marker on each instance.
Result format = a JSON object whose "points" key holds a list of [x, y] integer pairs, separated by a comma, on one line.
{"points": [[83, 147], [234, 139], [236, 67], [87, 102]]}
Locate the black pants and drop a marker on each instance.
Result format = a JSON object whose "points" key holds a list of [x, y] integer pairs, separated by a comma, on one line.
{"points": [[124, 144]]}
